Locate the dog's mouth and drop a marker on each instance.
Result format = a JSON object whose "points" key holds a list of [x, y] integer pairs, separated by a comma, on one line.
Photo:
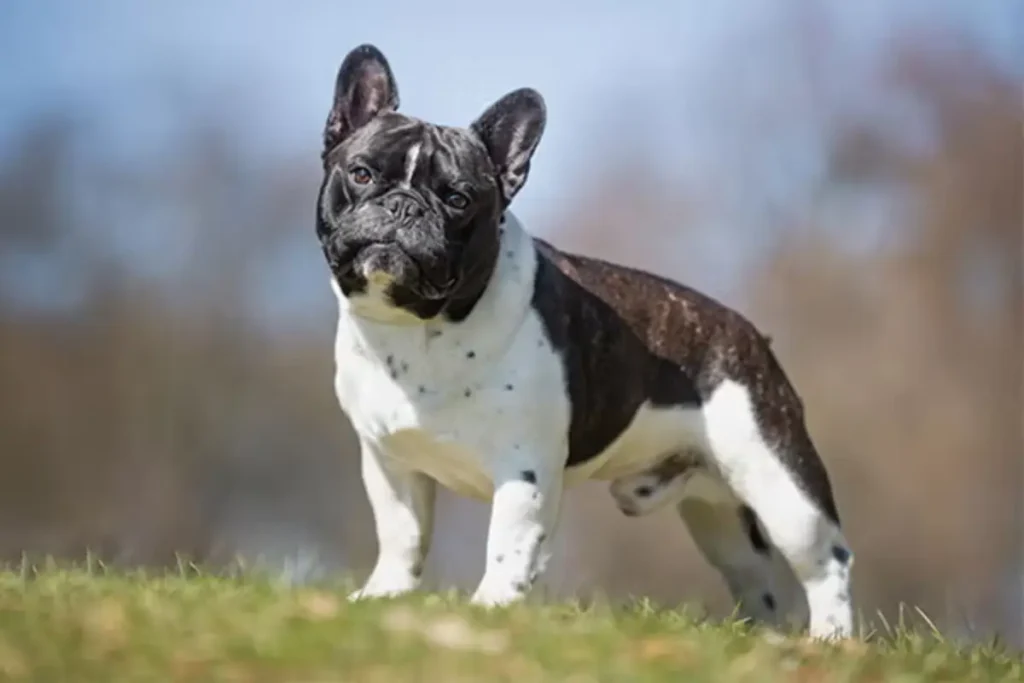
{"points": [[389, 264]]}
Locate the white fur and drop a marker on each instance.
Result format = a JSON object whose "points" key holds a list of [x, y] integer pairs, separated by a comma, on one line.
{"points": [[412, 157], [476, 405]]}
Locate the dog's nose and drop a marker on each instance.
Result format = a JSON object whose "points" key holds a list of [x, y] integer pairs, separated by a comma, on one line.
{"points": [[402, 207]]}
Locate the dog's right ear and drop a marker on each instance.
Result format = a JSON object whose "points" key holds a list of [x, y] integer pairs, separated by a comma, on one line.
{"points": [[365, 88]]}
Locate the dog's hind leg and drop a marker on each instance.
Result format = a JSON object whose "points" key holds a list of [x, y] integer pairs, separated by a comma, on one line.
{"points": [[725, 531], [759, 445], [730, 537]]}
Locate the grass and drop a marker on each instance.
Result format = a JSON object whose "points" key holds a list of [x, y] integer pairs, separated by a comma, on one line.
{"points": [[79, 625]]}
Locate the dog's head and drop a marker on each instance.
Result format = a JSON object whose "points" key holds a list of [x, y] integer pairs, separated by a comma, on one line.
{"points": [[409, 211]]}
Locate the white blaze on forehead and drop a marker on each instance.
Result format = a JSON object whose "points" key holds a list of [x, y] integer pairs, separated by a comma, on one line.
{"points": [[411, 159]]}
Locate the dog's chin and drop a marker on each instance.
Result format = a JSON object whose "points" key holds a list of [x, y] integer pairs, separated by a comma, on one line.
{"points": [[385, 281], [385, 263], [387, 267]]}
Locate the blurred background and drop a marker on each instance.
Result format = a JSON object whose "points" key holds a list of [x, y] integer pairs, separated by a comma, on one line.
{"points": [[848, 175]]}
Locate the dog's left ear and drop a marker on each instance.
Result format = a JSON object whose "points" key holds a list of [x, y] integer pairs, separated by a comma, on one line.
{"points": [[364, 89], [511, 128]]}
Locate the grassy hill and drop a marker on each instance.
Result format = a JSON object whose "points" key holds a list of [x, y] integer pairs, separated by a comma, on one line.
{"points": [[83, 626]]}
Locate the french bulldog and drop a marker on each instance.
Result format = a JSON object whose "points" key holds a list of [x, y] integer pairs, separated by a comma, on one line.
{"points": [[472, 355]]}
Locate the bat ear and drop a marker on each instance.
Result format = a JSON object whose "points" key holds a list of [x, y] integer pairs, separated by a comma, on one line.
{"points": [[511, 129], [365, 88]]}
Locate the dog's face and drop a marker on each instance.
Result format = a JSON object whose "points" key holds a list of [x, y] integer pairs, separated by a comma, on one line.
{"points": [[409, 212]]}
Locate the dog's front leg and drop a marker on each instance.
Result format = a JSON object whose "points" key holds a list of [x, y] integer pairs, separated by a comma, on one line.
{"points": [[524, 515], [402, 502]]}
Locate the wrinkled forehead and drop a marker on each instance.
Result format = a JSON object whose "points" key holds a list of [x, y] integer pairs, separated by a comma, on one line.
{"points": [[394, 143]]}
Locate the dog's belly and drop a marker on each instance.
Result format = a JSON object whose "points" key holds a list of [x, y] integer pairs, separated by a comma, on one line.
{"points": [[446, 440], [653, 434]]}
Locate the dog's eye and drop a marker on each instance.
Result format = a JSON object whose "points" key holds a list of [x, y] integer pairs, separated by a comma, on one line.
{"points": [[456, 200], [361, 175]]}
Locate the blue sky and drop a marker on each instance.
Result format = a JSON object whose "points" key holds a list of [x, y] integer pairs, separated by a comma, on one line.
{"points": [[451, 60], [644, 75]]}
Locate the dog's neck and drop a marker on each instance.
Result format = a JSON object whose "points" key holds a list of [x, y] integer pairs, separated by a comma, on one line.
{"points": [[376, 327]]}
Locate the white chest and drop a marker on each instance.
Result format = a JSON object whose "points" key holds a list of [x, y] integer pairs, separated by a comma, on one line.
{"points": [[449, 405]]}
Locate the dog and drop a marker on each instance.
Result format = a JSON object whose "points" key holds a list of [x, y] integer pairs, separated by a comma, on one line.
{"points": [[474, 356]]}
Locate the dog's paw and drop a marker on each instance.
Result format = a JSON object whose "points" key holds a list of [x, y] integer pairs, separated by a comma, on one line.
{"points": [[831, 628], [369, 593], [494, 594], [376, 588]]}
